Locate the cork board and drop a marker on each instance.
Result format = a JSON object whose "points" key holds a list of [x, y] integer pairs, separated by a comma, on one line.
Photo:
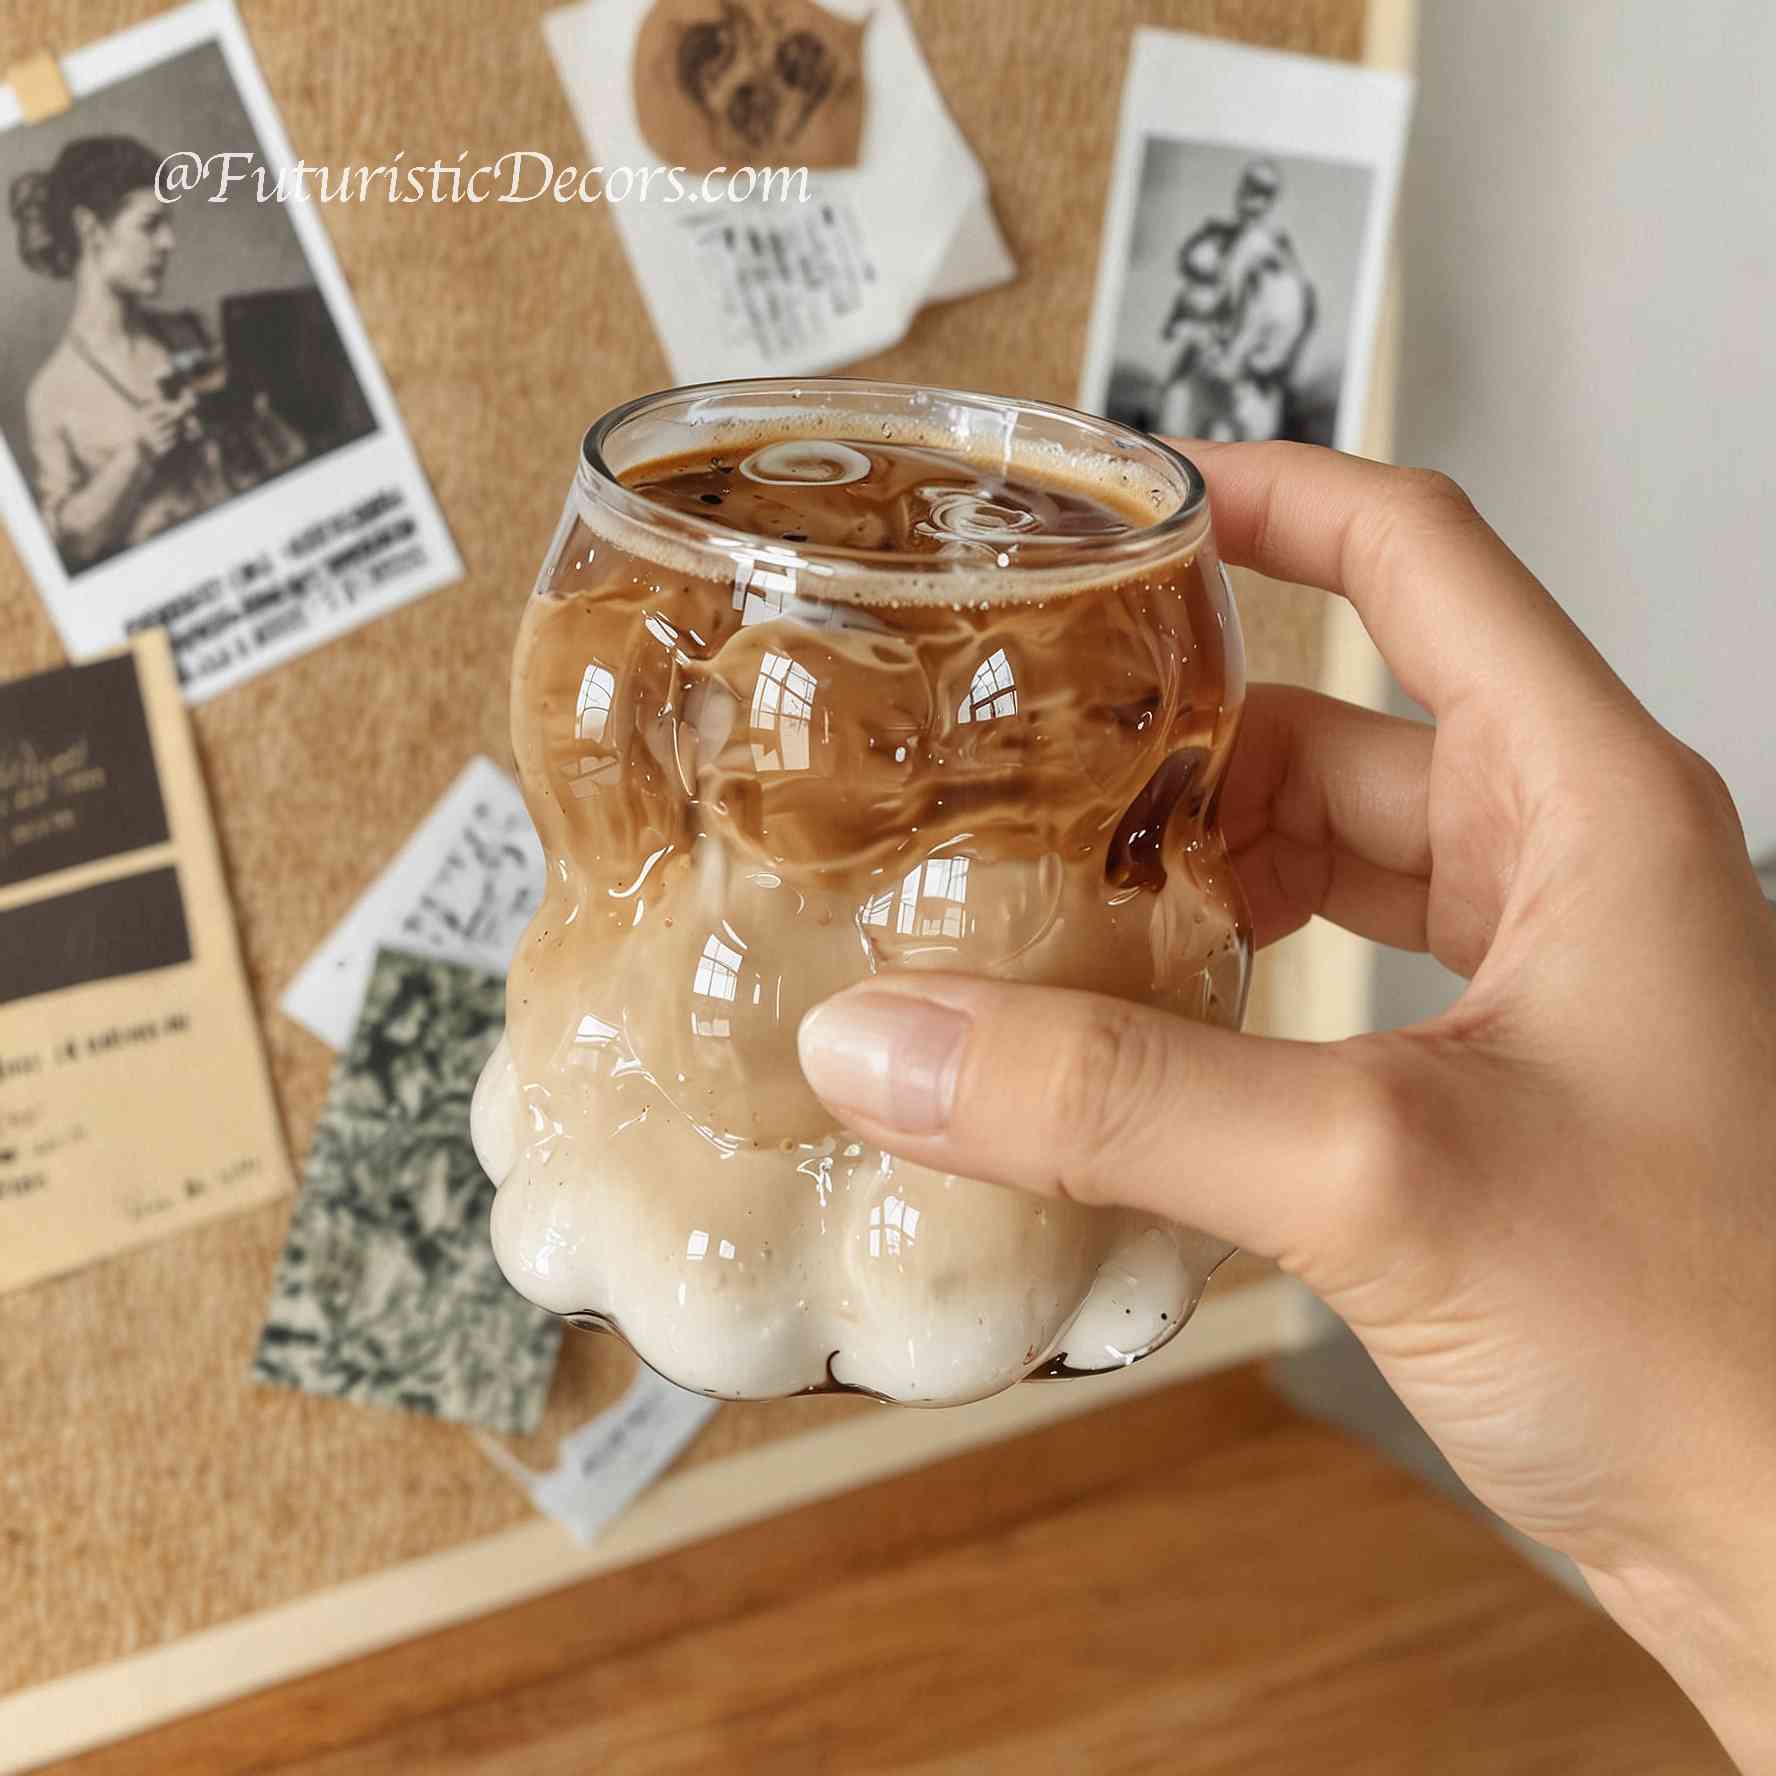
{"points": [[147, 1490]]}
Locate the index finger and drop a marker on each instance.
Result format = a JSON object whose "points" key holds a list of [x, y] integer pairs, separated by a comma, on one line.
{"points": [[1450, 607]]}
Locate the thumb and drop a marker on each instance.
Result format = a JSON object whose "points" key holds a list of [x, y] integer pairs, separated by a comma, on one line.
{"points": [[1271, 1144]]}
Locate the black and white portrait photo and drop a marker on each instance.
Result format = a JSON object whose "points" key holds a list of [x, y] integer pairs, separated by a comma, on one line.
{"points": [[1239, 277], [161, 358], [1236, 298], [194, 431]]}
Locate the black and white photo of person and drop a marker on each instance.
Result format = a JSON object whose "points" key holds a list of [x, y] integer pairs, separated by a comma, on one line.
{"points": [[128, 420], [157, 359], [1242, 315], [196, 434], [1235, 300]]}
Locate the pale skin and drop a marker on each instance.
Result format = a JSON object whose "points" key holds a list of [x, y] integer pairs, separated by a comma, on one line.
{"points": [[122, 266], [1550, 1213]]}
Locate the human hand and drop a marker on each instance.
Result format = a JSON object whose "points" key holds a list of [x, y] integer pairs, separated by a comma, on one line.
{"points": [[161, 425], [1550, 1213]]}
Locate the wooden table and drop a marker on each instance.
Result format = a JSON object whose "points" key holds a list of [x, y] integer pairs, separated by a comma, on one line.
{"points": [[1196, 1581]]}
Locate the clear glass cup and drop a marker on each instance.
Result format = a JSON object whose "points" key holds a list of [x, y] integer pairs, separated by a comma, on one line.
{"points": [[764, 769]]}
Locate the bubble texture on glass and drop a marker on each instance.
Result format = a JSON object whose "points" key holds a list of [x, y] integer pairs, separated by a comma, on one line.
{"points": [[784, 724]]}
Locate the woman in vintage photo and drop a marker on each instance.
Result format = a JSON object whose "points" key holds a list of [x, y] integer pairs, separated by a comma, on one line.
{"points": [[131, 423]]}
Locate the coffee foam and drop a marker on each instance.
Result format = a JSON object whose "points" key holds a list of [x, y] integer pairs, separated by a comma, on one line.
{"points": [[662, 537], [835, 1265]]}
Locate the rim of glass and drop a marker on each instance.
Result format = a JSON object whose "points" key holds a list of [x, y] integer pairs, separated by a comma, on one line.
{"points": [[1186, 523]]}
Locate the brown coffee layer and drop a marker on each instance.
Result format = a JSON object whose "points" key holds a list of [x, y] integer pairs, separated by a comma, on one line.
{"points": [[754, 796], [882, 497]]}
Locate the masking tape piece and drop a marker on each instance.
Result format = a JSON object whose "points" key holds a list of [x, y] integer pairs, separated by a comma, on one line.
{"points": [[39, 87]]}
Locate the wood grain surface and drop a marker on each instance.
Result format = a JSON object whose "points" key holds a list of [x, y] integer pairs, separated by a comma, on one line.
{"points": [[146, 1488], [1198, 1582]]}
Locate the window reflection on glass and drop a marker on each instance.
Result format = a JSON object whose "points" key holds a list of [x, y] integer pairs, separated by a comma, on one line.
{"points": [[586, 774], [992, 692], [697, 1247], [717, 978], [932, 901], [893, 1222], [592, 711], [662, 632], [765, 588], [782, 705]]}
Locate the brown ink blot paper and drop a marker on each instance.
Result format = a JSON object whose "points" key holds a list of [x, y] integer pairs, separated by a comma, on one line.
{"points": [[749, 82], [388, 1292], [134, 1098], [877, 208]]}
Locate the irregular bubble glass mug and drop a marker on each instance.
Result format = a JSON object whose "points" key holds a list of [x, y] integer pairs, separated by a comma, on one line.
{"points": [[823, 679]]}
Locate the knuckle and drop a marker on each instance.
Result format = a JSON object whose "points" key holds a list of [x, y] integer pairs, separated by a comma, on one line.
{"points": [[1686, 801], [1421, 502], [1105, 1082], [1703, 786], [1439, 496]]}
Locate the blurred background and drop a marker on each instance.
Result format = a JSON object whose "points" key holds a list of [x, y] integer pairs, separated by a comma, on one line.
{"points": [[1588, 250], [1253, 1561]]}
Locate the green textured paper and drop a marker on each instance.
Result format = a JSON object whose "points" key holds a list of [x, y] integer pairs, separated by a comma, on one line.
{"points": [[387, 1291]]}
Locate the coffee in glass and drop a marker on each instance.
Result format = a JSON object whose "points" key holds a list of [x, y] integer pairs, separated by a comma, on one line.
{"points": [[821, 680]]}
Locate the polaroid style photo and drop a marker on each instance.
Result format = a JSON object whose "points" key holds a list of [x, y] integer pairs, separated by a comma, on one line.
{"points": [[1245, 242], [194, 432]]}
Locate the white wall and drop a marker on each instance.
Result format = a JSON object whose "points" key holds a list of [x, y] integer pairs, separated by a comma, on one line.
{"points": [[1588, 230]]}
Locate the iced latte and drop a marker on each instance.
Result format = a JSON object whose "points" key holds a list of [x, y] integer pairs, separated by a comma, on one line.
{"points": [[822, 680]]}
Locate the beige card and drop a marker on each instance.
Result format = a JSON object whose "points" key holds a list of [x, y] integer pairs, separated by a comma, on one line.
{"points": [[134, 1099]]}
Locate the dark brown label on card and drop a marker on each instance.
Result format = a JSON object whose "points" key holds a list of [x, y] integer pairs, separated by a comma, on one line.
{"points": [[77, 776], [126, 926]]}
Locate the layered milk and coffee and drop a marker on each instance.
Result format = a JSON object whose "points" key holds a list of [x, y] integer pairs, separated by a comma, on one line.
{"points": [[794, 709]]}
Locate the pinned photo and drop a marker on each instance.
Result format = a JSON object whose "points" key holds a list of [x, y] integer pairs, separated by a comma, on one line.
{"points": [[462, 889], [853, 200], [1243, 258], [194, 433]]}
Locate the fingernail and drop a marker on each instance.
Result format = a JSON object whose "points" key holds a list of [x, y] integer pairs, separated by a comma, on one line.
{"points": [[889, 1057]]}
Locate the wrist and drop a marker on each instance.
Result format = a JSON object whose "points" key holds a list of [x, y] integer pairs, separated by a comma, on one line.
{"points": [[1714, 1632]]}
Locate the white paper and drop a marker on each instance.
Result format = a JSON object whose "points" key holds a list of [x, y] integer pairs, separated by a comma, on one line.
{"points": [[1197, 112], [977, 257], [611, 1459], [297, 560], [462, 889], [910, 223]]}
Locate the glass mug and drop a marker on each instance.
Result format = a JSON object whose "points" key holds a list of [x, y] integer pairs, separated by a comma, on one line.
{"points": [[821, 679]]}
